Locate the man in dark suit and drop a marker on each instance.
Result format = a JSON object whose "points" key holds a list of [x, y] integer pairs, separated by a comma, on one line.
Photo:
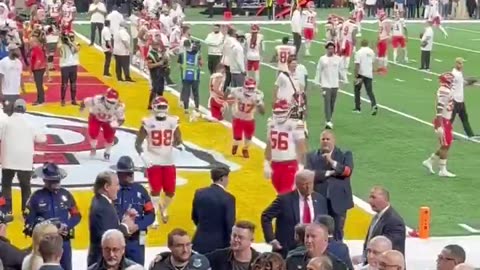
{"points": [[299, 206], [337, 248], [103, 216], [333, 169], [51, 249], [213, 212], [386, 222]]}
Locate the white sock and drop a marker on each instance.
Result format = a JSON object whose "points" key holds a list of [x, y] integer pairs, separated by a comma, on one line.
{"points": [[433, 157], [108, 148], [307, 46], [156, 203], [442, 165], [395, 54], [385, 61], [405, 54], [359, 27], [93, 144], [443, 30], [257, 76]]}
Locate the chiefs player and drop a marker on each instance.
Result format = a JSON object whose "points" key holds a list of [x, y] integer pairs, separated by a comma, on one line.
{"points": [[286, 147], [254, 48], [347, 43], [309, 25], [106, 113], [358, 14], [443, 126], [434, 17], [399, 34], [283, 53], [384, 29], [53, 8], [246, 100], [162, 134], [68, 13]]}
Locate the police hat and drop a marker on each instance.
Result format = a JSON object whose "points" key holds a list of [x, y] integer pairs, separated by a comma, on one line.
{"points": [[124, 164], [50, 172]]}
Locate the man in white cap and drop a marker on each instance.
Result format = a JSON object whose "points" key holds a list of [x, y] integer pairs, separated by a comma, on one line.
{"points": [[18, 138], [11, 78]]}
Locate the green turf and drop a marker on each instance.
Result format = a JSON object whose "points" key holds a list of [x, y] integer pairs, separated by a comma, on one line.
{"points": [[389, 148]]}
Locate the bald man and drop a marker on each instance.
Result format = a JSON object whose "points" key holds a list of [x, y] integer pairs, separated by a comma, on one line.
{"points": [[299, 206], [333, 169], [387, 221], [376, 247], [464, 266], [320, 263], [390, 259]]}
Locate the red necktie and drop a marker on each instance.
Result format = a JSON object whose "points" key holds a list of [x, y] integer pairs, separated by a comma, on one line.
{"points": [[307, 217]]}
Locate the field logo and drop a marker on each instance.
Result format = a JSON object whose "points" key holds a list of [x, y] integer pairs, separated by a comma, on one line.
{"points": [[68, 145]]}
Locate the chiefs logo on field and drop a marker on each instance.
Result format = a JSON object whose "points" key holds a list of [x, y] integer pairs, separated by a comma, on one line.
{"points": [[68, 145]]}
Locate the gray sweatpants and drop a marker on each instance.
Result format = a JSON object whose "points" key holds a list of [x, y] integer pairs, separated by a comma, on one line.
{"points": [[329, 98], [237, 79]]}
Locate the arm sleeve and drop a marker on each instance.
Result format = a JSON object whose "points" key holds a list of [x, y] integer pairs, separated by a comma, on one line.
{"points": [[194, 210], [230, 214], [344, 167], [75, 215], [148, 217], [274, 210]]}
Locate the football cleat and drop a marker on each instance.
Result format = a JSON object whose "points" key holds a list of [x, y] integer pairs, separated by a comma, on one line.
{"points": [[245, 153], [234, 150], [429, 165], [329, 125], [375, 110], [445, 173]]}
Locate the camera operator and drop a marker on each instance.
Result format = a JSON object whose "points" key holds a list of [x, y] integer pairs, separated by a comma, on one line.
{"points": [[3, 42], [157, 62], [10, 256], [51, 38], [69, 61]]}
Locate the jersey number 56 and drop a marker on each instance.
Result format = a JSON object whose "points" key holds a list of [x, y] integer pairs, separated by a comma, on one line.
{"points": [[279, 140], [161, 137]]}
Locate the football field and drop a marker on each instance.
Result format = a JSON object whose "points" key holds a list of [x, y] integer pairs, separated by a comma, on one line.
{"points": [[389, 148]]}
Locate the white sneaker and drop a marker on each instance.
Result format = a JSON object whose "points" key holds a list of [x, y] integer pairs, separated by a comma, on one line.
{"points": [[429, 165], [445, 173], [329, 125], [359, 34], [406, 60], [155, 224]]}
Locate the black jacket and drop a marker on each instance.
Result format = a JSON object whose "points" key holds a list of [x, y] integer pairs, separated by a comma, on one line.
{"points": [[213, 212], [11, 256], [340, 250], [196, 262], [221, 259], [285, 209], [299, 261]]}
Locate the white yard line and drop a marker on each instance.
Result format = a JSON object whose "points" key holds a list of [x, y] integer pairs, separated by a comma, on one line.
{"points": [[438, 60], [399, 80], [436, 43], [468, 228], [462, 29], [427, 79]]}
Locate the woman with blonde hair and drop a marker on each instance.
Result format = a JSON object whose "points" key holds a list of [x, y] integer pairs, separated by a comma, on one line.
{"points": [[34, 260], [269, 261]]}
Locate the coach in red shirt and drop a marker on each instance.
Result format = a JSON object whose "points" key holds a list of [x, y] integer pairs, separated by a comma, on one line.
{"points": [[39, 64]]}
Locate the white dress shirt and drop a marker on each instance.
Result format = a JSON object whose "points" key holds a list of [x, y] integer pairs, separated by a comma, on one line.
{"points": [[301, 204], [237, 63], [214, 42], [296, 22]]}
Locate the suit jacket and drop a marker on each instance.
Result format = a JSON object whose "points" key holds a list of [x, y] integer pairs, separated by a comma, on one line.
{"points": [[392, 226], [340, 250], [286, 210], [11, 256], [49, 266], [335, 188], [102, 217], [213, 212]]}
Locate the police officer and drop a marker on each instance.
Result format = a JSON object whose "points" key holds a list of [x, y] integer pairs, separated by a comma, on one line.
{"points": [[190, 61], [133, 199], [53, 202]]}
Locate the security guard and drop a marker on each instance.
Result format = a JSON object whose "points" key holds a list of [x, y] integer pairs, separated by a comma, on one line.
{"points": [[190, 62], [133, 199], [53, 202]]}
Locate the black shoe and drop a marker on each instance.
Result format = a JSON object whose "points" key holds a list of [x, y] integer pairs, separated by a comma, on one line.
{"points": [[129, 80], [62, 103], [374, 110], [107, 75], [120, 80], [74, 103], [36, 103]]}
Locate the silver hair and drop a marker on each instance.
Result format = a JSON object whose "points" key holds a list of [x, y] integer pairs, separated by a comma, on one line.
{"points": [[304, 174], [383, 240], [113, 234]]}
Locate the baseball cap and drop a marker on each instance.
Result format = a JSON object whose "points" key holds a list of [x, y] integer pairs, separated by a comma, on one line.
{"points": [[20, 103]]}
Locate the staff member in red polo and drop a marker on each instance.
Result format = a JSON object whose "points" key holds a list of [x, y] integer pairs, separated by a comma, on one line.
{"points": [[38, 65]]}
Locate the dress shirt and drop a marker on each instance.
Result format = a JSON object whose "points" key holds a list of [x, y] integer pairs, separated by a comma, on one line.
{"points": [[301, 204]]}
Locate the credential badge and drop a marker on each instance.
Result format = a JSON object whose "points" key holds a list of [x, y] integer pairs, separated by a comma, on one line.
{"points": [[197, 263]]}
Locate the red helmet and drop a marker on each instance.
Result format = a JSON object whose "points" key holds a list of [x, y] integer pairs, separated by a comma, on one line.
{"points": [[281, 110], [160, 106], [446, 79], [255, 28], [250, 84], [111, 96]]}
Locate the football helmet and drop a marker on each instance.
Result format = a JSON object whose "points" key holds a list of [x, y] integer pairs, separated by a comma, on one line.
{"points": [[111, 97], [160, 106], [281, 110], [250, 84], [254, 28], [446, 79], [310, 5]]}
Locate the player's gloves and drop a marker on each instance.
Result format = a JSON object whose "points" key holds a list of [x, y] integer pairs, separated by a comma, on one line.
{"points": [[267, 170]]}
